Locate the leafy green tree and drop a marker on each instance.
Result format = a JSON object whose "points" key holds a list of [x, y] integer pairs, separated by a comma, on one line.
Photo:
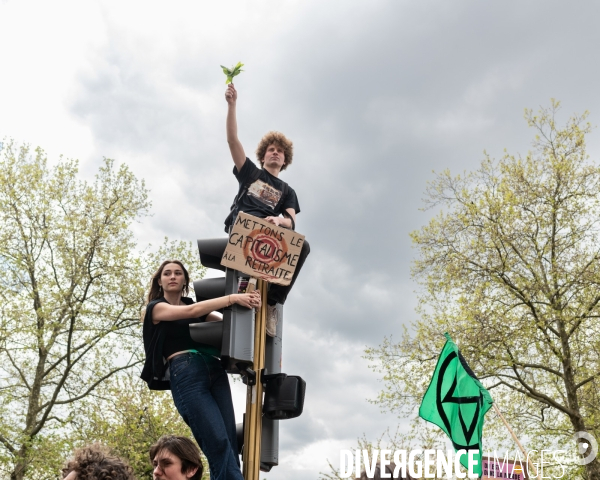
{"points": [[72, 290], [126, 415], [510, 266]]}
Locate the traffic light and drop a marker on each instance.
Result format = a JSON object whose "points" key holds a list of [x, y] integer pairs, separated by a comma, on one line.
{"points": [[284, 397], [269, 441], [234, 336]]}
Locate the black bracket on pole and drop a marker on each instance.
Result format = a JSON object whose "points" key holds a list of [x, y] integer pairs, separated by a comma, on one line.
{"points": [[266, 378], [248, 375]]}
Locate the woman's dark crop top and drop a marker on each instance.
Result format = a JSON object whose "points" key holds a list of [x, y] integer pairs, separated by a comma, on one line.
{"points": [[178, 339]]}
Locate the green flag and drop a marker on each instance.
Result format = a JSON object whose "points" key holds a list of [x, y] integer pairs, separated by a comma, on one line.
{"points": [[457, 402]]}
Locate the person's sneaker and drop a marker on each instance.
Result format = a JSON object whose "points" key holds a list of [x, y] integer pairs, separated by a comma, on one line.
{"points": [[272, 320]]}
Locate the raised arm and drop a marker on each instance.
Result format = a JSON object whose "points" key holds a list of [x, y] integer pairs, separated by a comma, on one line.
{"points": [[165, 312], [235, 146]]}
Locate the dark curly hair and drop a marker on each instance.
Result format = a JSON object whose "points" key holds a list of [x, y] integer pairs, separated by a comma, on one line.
{"points": [[279, 139], [96, 462]]}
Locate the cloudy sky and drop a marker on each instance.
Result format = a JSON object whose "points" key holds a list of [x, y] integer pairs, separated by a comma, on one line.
{"points": [[375, 95]]}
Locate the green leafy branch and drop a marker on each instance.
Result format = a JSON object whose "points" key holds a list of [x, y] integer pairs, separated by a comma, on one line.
{"points": [[232, 72]]}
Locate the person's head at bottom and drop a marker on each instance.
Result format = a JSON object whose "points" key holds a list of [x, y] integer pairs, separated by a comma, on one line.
{"points": [[388, 471], [96, 462], [176, 458]]}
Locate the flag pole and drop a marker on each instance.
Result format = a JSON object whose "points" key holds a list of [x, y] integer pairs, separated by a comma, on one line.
{"points": [[497, 410]]}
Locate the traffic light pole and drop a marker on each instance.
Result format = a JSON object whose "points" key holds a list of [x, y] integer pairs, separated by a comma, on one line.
{"points": [[254, 394], [271, 395]]}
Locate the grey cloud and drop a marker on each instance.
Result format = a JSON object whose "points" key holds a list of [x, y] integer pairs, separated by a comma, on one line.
{"points": [[375, 97]]}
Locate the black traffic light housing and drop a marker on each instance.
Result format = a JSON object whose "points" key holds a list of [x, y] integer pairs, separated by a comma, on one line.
{"points": [[234, 336], [284, 396]]}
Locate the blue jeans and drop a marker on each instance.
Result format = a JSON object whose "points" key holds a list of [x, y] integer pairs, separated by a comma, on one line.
{"points": [[201, 392]]}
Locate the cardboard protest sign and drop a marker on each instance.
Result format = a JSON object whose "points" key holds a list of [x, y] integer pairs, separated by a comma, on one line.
{"points": [[262, 250]]}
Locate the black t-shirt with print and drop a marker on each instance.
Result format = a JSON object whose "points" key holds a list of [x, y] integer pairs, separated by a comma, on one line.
{"points": [[264, 194]]}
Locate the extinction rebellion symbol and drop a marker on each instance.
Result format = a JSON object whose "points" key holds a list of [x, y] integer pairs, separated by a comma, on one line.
{"points": [[449, 398]]}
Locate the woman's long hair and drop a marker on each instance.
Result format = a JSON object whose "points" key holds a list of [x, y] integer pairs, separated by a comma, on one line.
{"points": [[156, 290]]}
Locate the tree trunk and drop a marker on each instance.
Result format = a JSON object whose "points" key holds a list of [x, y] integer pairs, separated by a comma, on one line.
{"points": [[592, 470], [18, 472]]}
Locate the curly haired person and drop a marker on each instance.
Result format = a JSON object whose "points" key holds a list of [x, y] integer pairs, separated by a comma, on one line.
{"points": [[263, 194], [97, 462]]}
